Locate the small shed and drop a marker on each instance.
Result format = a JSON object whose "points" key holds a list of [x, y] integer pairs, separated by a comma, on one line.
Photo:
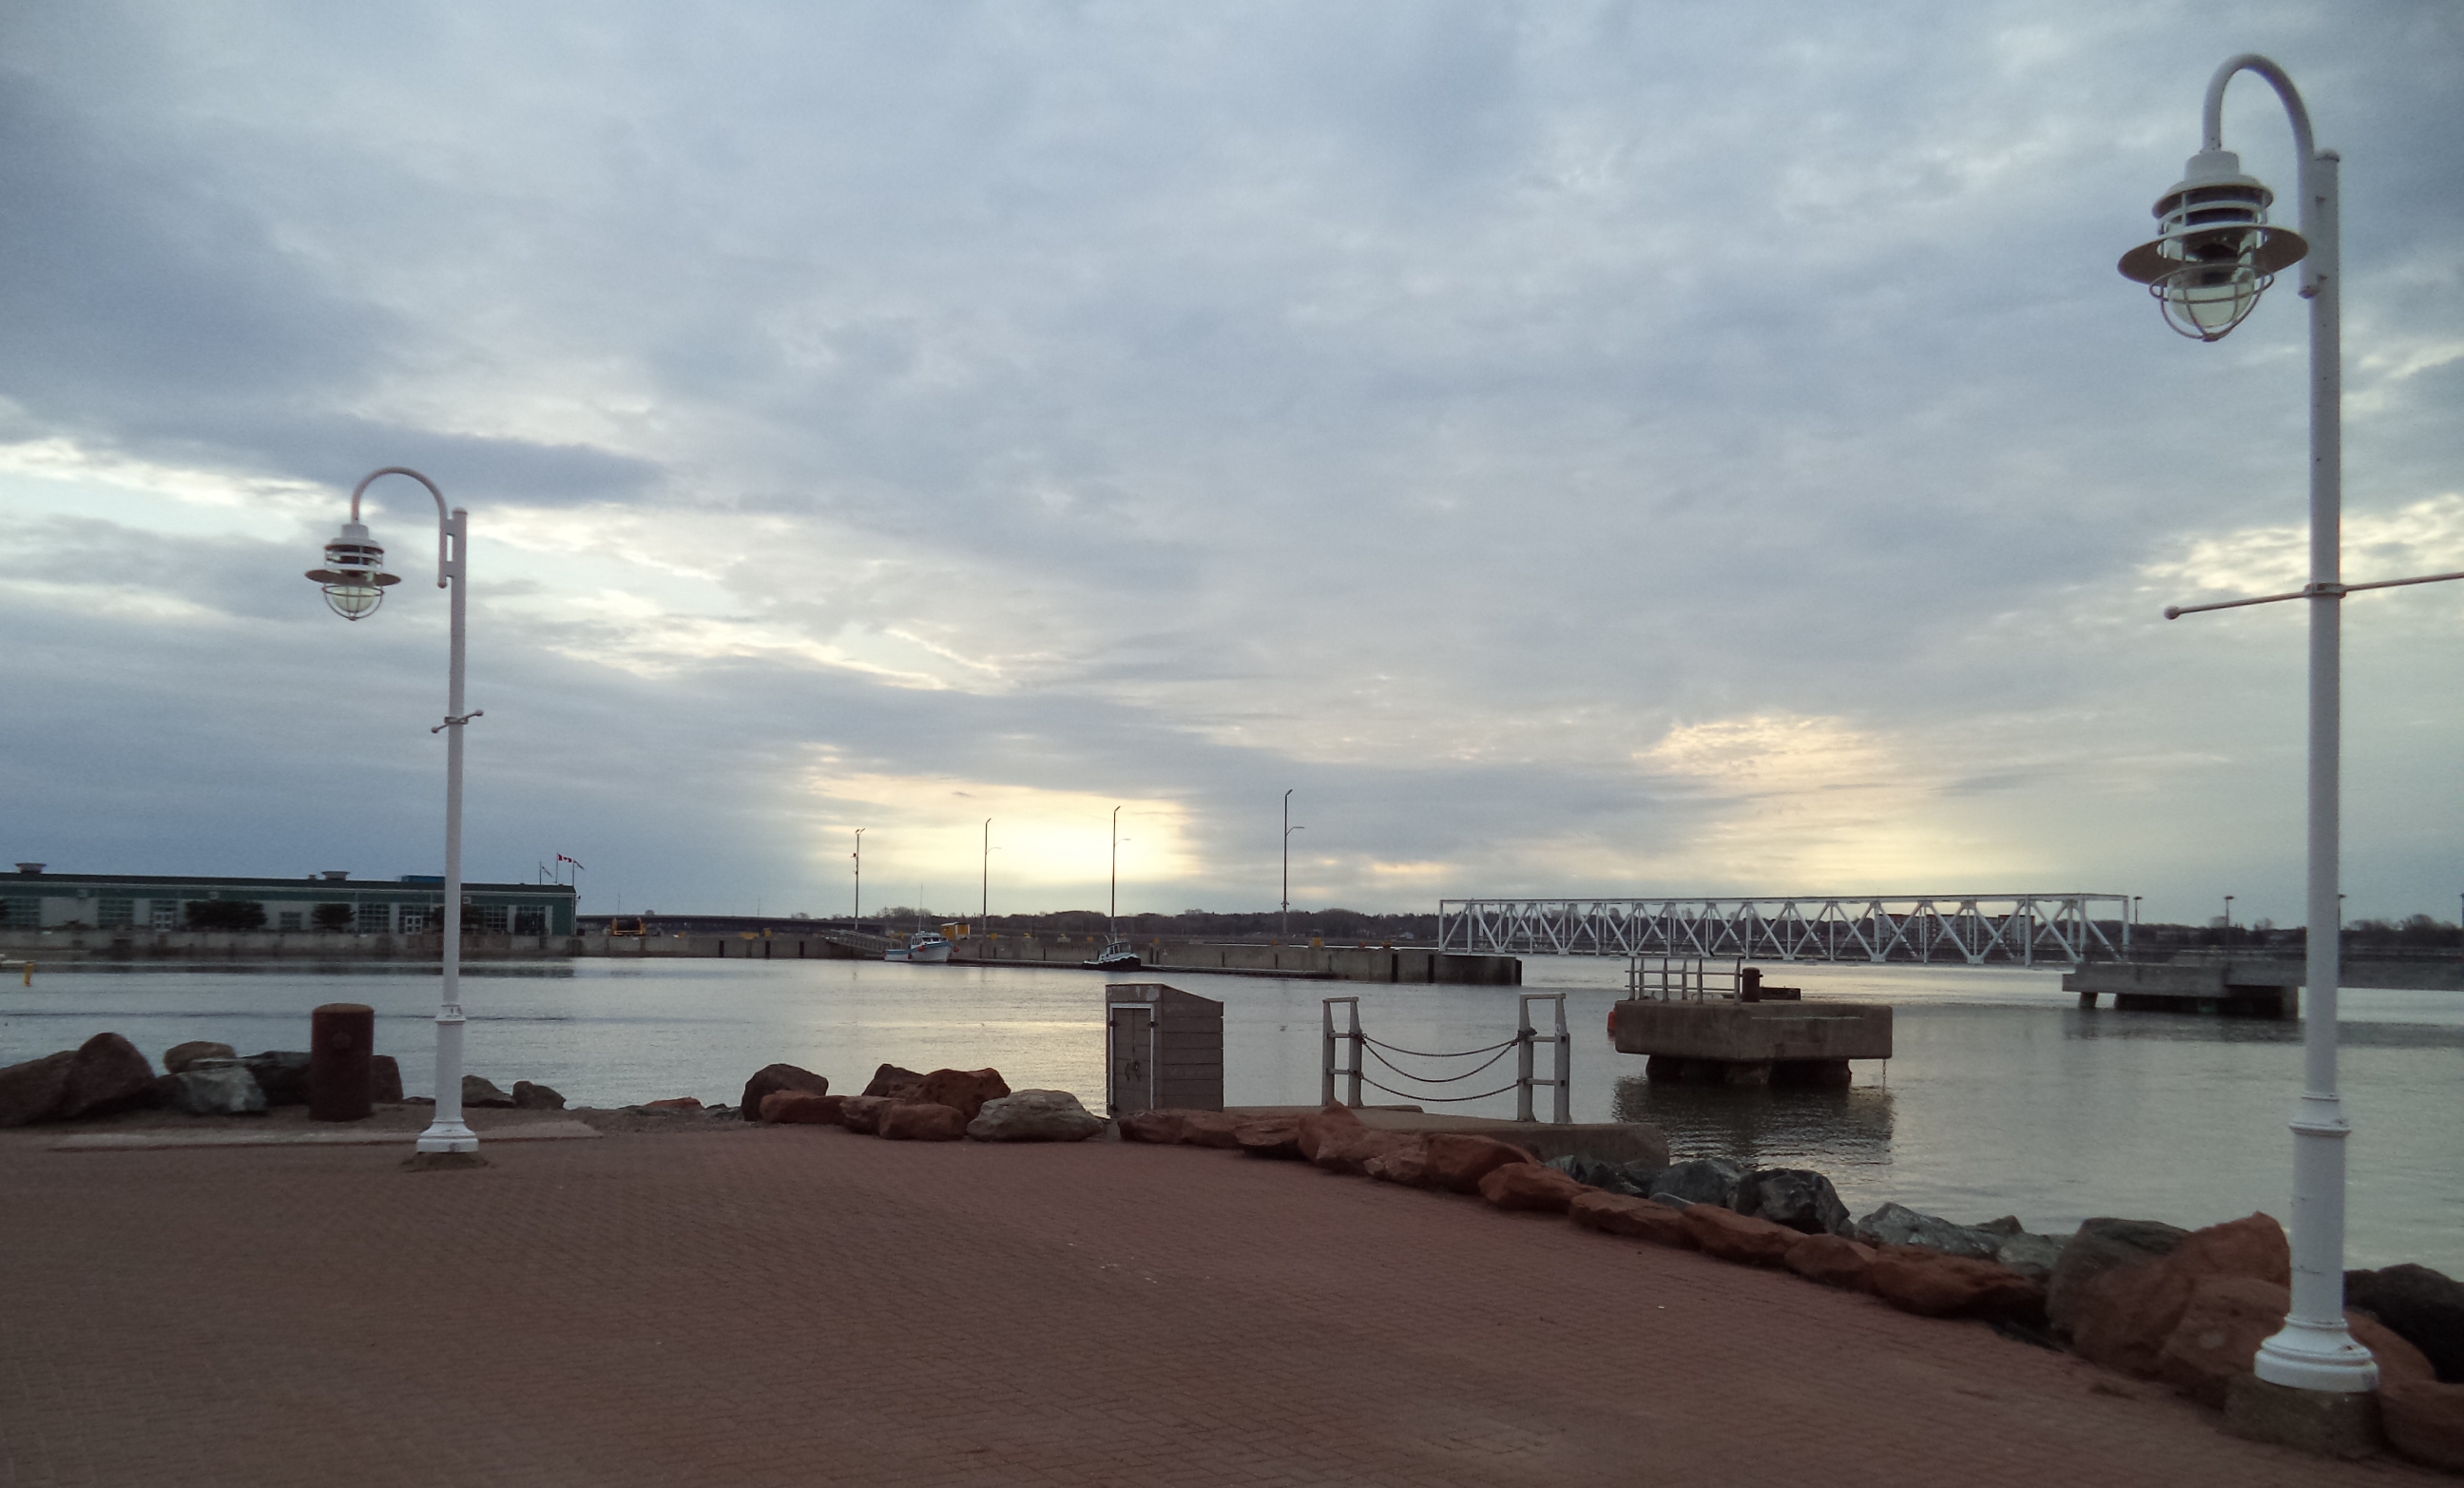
{"points": [[1163, 1049]]}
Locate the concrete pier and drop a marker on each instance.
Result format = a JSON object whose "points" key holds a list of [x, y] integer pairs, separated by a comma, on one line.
{"points": [[1421, 964], [1740, 1043]]}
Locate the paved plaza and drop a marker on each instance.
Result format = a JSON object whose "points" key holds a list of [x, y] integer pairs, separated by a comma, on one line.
{"points": [[801, 1305]]}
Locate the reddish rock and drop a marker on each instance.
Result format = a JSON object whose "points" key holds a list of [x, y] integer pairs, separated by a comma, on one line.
{"points": [[1739, 1237], [106, 1075], [29, 1092], [2123, 1317], [923, 1121], [863, 1113], [1209, 1129], [1623, 1213], [965, 1091], [2226, 1319], [178, 1057], [1405, 1161], [1531, 1185], [1315, 1125], [1341, 1153], [2425, 1422], [802, 1108], [1161, 1128], [684, 1105], [1458, 1163], [1832, 1260], [774, 1078], [2398, 1359], [1931, 1284], [1276, 1137], [894, 1083]]}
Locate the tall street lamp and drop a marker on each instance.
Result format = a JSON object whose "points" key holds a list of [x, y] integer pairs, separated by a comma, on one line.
{"points": [[859, 874], [355, 581], [2214, 255], [1113, 915], [1289, 829], [984, 909]]}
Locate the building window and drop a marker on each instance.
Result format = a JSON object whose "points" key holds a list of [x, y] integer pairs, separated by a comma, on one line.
{"points": [[530, 919], [492, 919], [166, 914], [375, 918], [115, 912], [21, 914], [414, 919], [289, 920]]}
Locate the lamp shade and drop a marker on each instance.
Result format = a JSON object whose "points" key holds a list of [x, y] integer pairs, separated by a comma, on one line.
{"points": [[354, 577], [2216, 252]]}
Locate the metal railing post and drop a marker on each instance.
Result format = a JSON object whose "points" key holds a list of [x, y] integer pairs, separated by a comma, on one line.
{"points": [[1523, 1061], [1325, 1051], [1352, 1098], [1565, 1067]]}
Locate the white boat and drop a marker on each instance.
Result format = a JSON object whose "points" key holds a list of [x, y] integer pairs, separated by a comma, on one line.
{"points": [[928, 946], [1117, 956]]}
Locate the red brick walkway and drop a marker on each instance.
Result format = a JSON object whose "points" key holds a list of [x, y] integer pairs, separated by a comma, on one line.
{"points": [[806, 1306]]}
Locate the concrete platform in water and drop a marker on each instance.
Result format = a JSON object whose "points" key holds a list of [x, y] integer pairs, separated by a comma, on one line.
{"points": [[1751, 1043]]}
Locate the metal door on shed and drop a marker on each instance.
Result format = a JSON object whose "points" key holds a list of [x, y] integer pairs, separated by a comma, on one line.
{"points": [[1130, 1058]]}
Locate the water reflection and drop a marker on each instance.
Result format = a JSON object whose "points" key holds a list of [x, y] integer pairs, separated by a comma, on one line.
{"points": [[1829, 1130], [2186, 1028]]}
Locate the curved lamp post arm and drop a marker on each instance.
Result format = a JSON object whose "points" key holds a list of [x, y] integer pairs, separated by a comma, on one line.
{"points": [[449, 523]]}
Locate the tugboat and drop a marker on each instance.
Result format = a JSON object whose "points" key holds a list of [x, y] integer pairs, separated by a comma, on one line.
{"points": [[1117, 956], [927, 946]]}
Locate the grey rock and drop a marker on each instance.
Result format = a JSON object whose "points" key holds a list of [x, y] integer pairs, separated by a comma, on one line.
{"points": [[385, 1079], [2032, 1255], [218, 1087], [2099, 1246], [2006, 1227], [178, 1057], [1897, 1224], [1707, 1179], [2422, 1306], [106, 1075], [30, 1092], [1797, 1197], [283, 1073], [889, 1080], [1034, 1115], [528, 1096], [477, 1092], [1594, 1173]]}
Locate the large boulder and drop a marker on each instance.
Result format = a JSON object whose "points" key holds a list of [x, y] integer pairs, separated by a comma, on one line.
{"points": [[178, 1057], [800, 1108], [1599, 1173], [1162, 1127], [385, 1079], [1897, 1224], [283, 1073], [2425, 1422], [1832, 1260], [217, 1087], [1333, 1118], [1623, 1213], [1922, 1280], [1034, 1115], [2032, 1255], [1797, 1197], [106, 1075], [2099, 1246], [863, 1113], [2424, 1307], [1274, 1137], [923, 1121], [1738, 1237], [674, 1105], [1210, 1129], [475, 1091], [2123, 1319], [2228, 1317], [30, 1092], [895, 1082], [1531, 1185], [1458, 1162], [1352, 1154], [1405, 1161], [963, 1091], [530, 1096], [778, 1077], [1705, 1180]]}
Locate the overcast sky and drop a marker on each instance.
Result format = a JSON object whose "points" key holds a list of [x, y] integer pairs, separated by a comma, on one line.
{"points": [[1579, 448]]}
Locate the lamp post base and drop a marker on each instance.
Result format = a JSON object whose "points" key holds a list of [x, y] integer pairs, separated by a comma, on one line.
{"points": [[2331, 1423], [448, 1137], [2322, 1359]]}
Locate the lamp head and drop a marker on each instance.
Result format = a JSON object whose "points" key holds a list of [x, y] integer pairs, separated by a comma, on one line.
{"points": [[354, 577], [2215, 252]]}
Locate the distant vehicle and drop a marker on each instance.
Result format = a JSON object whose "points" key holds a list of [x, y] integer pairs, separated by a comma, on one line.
{"points": [[622, 927], [1117, 956], [928, 946]]}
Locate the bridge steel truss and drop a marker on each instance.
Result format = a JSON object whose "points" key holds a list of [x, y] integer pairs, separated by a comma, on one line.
{"points": [[1942, 929]]}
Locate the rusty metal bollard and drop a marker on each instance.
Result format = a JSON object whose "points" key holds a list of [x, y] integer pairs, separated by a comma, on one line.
{"points": [[341, 1040]]}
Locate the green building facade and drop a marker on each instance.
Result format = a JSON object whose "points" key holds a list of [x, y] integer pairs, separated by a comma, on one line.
{"points": [[33, 900]]}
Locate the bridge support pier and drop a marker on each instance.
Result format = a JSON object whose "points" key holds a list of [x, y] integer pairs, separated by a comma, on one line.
{"points": [[1784, 1073]]}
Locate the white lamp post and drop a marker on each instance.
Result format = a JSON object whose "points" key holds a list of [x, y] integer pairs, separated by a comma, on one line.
{"points": [[1289, 829], [355, 581], [2215, 256]]}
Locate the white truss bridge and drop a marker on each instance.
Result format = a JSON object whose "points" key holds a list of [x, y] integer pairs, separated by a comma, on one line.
{"points": [[1921, 929]]}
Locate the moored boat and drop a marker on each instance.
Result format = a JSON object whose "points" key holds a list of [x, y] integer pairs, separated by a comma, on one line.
{"points": [[927, 946]]}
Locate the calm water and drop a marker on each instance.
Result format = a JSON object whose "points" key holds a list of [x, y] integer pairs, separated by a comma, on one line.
{"points": [[2003, 1097]]}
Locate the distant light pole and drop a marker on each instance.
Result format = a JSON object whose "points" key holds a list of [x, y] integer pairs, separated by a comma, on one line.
{"points": [[1112, 916], [2213, 257], [355, 581], [985, 910], [859, 874], [2229, 899], [1289, 829]]}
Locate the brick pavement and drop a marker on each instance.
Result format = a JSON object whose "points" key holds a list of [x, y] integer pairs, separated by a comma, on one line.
{"points": [[806, 1306]]}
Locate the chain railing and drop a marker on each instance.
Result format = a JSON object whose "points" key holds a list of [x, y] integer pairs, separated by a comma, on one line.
{"points": [[1362, 1047]]}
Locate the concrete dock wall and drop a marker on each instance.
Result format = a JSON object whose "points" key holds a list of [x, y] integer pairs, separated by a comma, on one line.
{"points": [[1414, 964], [130, 944]]}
